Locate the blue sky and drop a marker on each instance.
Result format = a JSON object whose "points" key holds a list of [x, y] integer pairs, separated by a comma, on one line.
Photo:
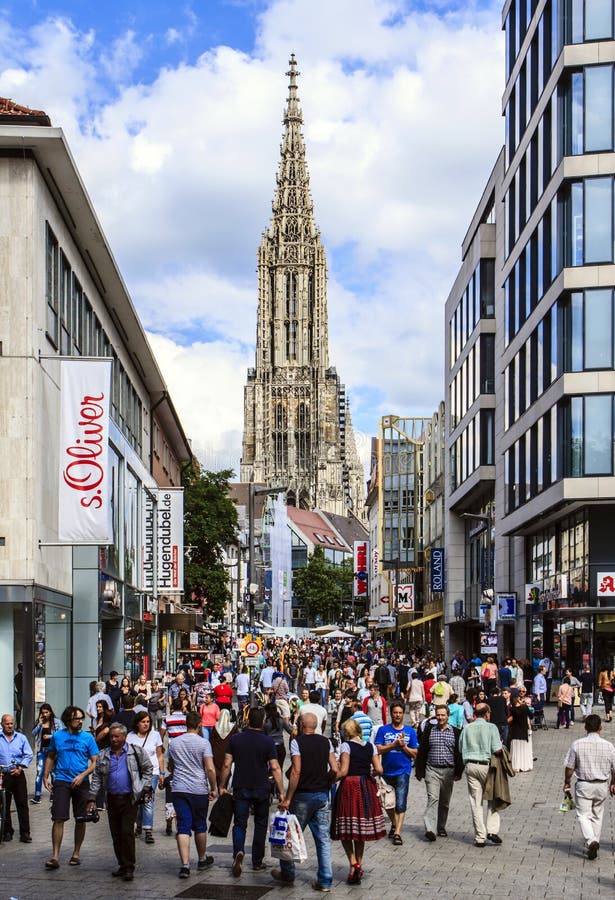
{"points": [[173, 113]]}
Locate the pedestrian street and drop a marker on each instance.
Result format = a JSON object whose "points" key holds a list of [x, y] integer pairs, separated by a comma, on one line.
{"points": [[541, 854]]}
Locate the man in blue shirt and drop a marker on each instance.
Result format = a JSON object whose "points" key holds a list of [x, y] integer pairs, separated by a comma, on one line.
{"points": [[398, 745], [124, 771], [72, 754], [15, 756]]}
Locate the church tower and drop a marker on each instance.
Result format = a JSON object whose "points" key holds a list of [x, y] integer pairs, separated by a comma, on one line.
{"points": [[297, 427]]}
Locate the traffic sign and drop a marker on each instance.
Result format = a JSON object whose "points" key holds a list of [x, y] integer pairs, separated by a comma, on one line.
{"points": [[252, 648]]}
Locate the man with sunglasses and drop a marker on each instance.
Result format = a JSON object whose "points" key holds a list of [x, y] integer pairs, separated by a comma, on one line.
{"points": [[72, 754]]}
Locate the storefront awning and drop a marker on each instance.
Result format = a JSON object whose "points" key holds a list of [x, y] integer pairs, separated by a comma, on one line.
{"points": [[421, 621], [180, 621]]}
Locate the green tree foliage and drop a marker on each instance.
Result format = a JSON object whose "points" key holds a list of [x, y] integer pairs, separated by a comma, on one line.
{"points": [[210, 522], [324, 589]]}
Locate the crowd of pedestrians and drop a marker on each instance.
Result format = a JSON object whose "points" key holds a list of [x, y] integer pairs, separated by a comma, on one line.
{"points": [[357, 718]]}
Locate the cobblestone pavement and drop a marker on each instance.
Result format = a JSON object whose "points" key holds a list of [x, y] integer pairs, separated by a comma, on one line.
{"points": [[541, 854]]}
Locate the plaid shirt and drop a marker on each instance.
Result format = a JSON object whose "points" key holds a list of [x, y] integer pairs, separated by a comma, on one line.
{"points": [[592, 758], [441, 750]]}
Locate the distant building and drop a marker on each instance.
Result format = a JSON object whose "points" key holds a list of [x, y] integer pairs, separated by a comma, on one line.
{"points": [[297, 427]]}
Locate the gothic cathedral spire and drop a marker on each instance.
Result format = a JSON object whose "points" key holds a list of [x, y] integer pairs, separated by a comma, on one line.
{"points": [[297, 429]]}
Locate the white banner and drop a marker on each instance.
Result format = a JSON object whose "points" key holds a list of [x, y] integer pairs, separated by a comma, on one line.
{"points": [[170, 535], [84, 507]]}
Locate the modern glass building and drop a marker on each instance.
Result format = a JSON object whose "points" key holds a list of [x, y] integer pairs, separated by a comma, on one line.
{"points": [[540, 512], [556, 343]]}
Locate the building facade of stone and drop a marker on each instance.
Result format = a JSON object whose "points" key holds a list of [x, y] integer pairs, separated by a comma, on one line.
{"points": [[297, 427]]}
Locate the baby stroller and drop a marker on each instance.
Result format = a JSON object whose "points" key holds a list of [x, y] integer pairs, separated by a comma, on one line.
{"points": [[539, 720]]}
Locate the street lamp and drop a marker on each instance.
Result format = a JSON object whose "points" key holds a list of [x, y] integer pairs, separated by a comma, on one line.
{"points": [[487, 520], [254, 491]]}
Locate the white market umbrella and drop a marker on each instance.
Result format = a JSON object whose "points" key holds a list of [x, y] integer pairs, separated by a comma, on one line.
{"points": [[323, 629], [338, 634]]}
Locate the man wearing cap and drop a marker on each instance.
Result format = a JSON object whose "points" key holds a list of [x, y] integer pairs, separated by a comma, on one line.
{"points": [[478, 742]]}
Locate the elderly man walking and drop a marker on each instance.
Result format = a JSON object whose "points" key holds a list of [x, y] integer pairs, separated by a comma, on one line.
{"points": [[123, 770], [592, 760], [313, 760], [15, 757], [478, 742]]}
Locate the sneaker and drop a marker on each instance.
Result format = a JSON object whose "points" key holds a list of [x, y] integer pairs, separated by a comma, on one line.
{"points": [[149, 838], [317, 886], [430, 836], [184, 872], [494, 838], [237, 862], [205, 863], [592, 850], [35, 800]]}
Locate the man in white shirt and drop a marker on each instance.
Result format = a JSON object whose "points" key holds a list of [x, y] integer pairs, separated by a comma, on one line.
{"points": [[101, 695], [592, 760], [266, 677], [313, 706], [242, 687]]}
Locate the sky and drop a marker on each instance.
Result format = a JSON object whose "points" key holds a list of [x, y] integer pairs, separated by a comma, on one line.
{"points": [[173, 112]]}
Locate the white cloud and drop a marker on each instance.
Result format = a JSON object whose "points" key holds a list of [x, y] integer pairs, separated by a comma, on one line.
{"points": [[402, 124]]}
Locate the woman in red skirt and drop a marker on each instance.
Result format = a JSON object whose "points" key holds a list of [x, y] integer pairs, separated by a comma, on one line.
{"points": [[357, 814]]}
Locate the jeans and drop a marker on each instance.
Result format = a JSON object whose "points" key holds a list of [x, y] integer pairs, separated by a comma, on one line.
{"points": [[41, 756], [313, 809], [242, 700], [145, 812], [242, 798], [401, 784], [503, 729]]}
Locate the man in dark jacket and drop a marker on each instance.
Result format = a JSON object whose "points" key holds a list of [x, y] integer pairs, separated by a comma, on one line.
{"points": [[439, 762], [499, 713], [382, 678]]}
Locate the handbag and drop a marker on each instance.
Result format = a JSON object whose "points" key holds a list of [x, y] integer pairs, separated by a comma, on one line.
{"points": [[386, 793]]}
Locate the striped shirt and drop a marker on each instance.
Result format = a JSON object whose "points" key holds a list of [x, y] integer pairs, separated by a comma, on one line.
{"points": [[366, 724]]}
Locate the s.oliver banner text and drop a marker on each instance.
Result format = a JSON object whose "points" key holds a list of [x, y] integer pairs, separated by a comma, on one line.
{"points": [[84, 509], [170, 534]]}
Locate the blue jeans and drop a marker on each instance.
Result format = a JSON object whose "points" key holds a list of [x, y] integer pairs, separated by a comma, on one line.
{"points": [[401, 784], [313, 810], [242, 798], [41, 756], [243, 700], [145, 811]]}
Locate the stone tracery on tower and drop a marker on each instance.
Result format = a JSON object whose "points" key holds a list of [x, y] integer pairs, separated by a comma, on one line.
{"points": [[297, 429]]}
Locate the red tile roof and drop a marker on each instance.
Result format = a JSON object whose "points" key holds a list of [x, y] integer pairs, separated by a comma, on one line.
{"points": [[13, 112], [316, 528]]}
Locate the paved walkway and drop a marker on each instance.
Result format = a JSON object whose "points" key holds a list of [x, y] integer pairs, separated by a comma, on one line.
{"points": [[541, 855]]}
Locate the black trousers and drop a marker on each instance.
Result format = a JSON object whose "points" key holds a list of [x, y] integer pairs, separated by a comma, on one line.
{"points": [[122, 813], [16, 786]]}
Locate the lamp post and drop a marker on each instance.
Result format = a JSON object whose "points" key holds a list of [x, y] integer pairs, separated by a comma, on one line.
{"points": [[254, 491], [487, 520]]}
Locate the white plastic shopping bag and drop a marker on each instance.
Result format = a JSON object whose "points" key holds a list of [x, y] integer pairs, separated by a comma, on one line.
{"points": [[278, 828], [293, 849]]}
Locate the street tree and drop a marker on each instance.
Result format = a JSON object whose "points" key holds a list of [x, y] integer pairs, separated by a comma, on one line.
{"points": [[210, 523], [320, 587]]}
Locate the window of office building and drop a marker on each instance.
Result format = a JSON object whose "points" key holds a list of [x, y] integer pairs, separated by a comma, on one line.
{"points": [[588, 110], [587, 20]]}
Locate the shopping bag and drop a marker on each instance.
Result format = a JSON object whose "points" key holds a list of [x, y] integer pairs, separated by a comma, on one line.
{"points": [[278, 828], [386, 793], [567, 803], [297, 841], [221, 816], [293, 849]]}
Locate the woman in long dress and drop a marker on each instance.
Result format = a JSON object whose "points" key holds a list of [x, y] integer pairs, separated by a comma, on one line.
{"points": [[357, 815], [521, 752]]}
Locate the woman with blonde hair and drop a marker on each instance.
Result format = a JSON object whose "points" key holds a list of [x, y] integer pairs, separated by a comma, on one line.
{"points": [[357, 816], [606, 686]]}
